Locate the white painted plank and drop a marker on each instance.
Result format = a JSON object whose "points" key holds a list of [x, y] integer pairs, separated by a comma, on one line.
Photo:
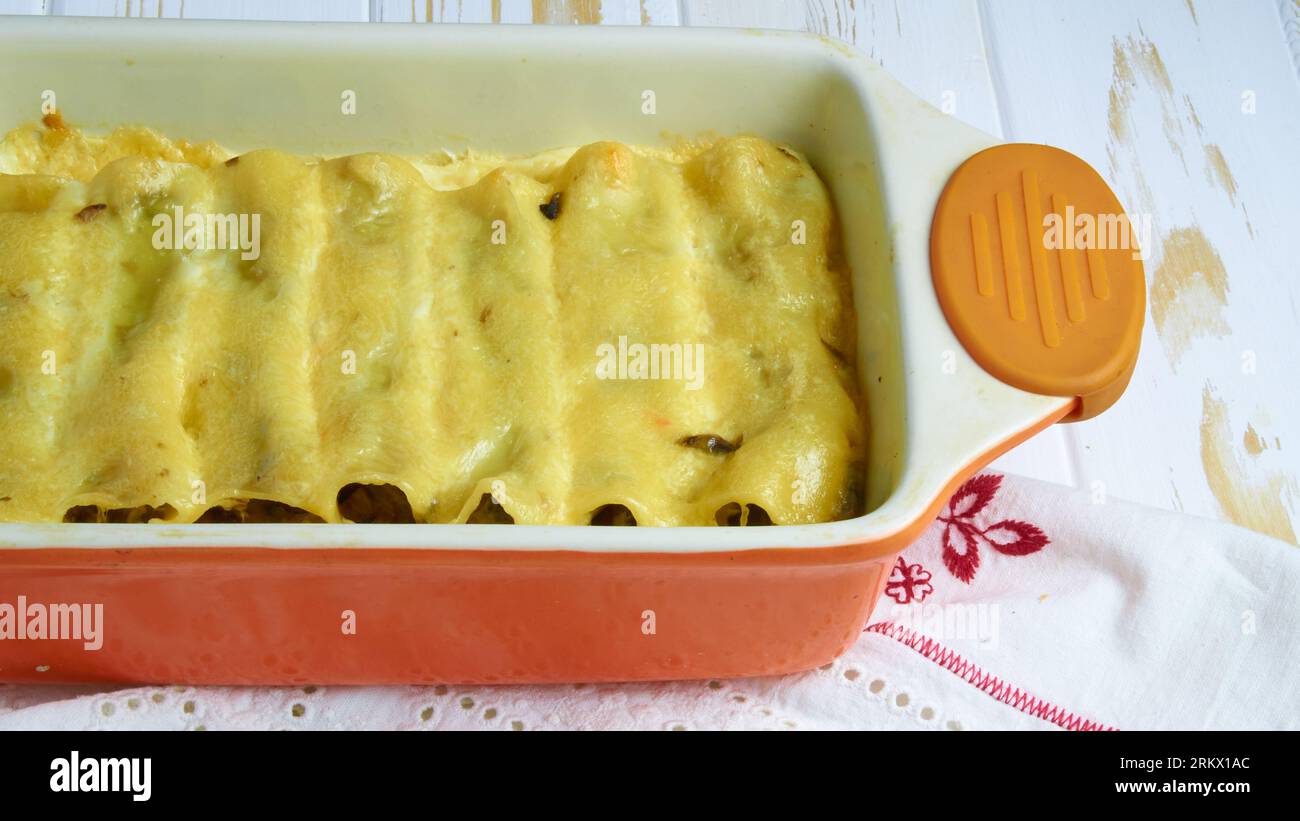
{"points": [[766, 14], [1191, 110], [338, 10], [1289, 11], [454, 11], [23, 6], [605, 12]]}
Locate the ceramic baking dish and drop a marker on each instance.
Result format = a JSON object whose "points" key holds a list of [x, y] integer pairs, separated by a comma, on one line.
{"points": [[499, 603]]}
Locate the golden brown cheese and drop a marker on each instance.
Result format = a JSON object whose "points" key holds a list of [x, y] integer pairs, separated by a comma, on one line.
{"points": [[445, 327]]}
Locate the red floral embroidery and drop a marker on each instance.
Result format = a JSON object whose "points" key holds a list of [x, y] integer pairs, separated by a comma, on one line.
{"points": [[961, 536], [908, 583]]}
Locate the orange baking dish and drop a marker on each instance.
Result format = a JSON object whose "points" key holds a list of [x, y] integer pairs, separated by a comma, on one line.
{"points": [[973, 336]]}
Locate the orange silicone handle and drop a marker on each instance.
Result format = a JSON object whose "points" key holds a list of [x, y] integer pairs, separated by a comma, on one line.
{"points": [[1039, 273]]}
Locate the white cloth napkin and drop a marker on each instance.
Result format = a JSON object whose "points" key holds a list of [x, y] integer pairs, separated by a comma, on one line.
{"points": [[1026, 606]]}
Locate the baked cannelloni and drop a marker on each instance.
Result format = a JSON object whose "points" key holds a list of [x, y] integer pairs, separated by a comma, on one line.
{"points": [[607, 335]]}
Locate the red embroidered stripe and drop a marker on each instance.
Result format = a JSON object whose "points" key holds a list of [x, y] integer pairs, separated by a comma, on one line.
{"points": [[971, 673]]}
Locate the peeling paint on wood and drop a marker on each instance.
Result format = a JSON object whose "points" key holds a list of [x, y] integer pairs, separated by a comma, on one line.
{"points": [[1254, 499], [1189, 292], [1252, 442], [1218, 173], [585, 12]]}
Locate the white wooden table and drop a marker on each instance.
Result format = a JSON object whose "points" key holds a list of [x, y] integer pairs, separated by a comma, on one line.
{"points": [[1190, 108]]}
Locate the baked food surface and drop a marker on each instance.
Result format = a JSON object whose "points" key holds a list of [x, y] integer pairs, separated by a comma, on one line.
{"points": [[436, 339]]}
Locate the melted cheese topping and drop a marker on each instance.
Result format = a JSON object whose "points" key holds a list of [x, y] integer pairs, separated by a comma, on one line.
{"points": [[423, 325]]}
